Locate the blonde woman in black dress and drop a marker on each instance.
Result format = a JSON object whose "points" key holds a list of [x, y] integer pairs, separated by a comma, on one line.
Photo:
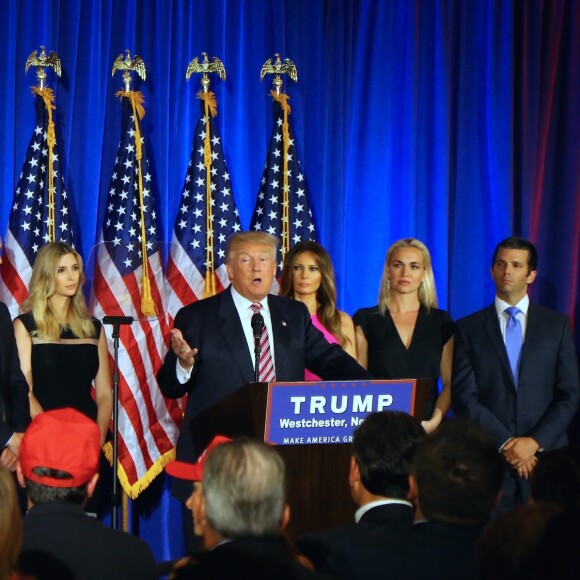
{"points": [[406, 336], [63, 351]]}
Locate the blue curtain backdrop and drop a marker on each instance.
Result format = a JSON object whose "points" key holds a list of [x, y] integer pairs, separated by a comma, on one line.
{"points": [[452, 121]]}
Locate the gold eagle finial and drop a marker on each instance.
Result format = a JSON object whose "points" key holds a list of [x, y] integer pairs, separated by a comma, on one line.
{"points": [[277, 69], [205, 67], [41, 62], [129, 65]]}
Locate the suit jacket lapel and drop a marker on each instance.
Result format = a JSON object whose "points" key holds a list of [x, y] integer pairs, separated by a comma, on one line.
{"points": [[281, 329], [533, 328], [493, 330], [230, 326]]}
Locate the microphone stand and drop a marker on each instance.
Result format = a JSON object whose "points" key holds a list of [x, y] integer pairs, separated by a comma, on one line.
{"points": [[116, 322]]}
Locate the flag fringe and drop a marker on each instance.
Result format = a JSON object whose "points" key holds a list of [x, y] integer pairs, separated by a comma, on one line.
{"points": [[143, 483]]}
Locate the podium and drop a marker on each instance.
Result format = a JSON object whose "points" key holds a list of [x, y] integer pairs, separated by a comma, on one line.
{"points": [[317, 474]]}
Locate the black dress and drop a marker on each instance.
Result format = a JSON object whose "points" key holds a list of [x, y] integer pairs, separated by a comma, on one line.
{"points": [[63, 371], [388, 358]]}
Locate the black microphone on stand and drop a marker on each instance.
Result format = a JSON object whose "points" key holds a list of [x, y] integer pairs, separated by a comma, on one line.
{"points": [[257, 325]]}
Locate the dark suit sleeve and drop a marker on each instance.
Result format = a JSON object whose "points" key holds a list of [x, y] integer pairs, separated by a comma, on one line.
{"points": [[16, 407], [566, 394], [167, 376], [464, 391]]}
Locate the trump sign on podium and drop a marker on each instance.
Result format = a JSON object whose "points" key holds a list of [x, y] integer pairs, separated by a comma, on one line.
{"points": [[329, 412]]}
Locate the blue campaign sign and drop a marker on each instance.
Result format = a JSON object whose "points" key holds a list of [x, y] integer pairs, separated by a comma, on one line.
{"points": [[329, 412]]}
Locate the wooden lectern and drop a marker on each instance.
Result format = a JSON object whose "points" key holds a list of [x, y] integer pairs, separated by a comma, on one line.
{"points": [[317, 475]]}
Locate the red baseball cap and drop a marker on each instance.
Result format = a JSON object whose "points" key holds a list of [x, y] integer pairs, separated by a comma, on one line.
{"points": [[194, 471], [62, 439]]}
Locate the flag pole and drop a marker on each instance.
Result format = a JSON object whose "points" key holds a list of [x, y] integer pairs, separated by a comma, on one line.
{"points": [[147, 306]]}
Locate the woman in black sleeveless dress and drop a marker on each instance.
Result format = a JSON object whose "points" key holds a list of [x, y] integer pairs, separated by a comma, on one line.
{"points": [[406, 336], [63, 351]]}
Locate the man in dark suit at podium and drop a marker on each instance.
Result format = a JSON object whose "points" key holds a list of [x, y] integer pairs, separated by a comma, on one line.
{"points": [[515, 370], [213, 340], [383, 449]]}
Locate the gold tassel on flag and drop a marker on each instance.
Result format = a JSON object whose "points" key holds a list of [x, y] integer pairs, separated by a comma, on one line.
{"points": [[283, 99], [278, 68], [136, 64], [41, 62], [210, 108]]}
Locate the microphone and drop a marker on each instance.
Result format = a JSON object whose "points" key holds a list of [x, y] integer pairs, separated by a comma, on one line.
{"points": [[118, 320], [257, 325]]}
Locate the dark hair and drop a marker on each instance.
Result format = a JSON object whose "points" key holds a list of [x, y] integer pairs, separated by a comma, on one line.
{"points": [[531, 542], [459, 474], [327, 312], [508, 546], [517, 243], [556, 478], [39, 493], [384, 449]]}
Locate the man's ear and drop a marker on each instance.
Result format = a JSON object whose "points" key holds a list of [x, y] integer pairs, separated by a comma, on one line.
{"points": [[354, 472], [91, 485], [532, 276], [20, 475], [413, 492], [285, 519]]}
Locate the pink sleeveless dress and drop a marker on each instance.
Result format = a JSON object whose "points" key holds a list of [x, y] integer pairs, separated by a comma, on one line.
{"points": [[308, 376]]}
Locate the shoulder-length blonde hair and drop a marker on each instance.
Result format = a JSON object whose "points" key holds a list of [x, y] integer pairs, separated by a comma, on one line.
{"points": [[326, 312], [427, 292], [10, 535], [43, 285]]}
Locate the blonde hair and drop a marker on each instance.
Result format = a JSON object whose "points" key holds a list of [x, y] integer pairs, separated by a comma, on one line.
{"points": [[427, 293], [43, 285], [327, 313], [10, 525], [251, 238]]}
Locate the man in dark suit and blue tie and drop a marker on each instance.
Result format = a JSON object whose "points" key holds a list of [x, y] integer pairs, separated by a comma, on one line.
{"points": [[515, 370], [212, 342]]}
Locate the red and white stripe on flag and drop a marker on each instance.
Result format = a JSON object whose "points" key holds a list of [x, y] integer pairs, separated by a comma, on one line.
{"points": [[148, 422], [185, 283]]}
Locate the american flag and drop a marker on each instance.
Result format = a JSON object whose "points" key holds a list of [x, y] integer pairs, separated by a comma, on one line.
{"points": [[273, 208], [35, 219], [206, 218], [148, 423]]}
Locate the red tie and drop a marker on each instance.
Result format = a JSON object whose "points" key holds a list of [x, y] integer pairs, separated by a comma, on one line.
{"points": [[266, 366]]}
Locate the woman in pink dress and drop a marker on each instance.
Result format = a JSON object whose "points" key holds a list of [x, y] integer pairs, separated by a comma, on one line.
{"points": [[308, 276]]}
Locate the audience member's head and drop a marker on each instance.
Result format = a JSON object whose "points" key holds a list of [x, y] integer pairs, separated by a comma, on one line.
{"points": [[383, 450], [59, 457], [556, 478], [244, 490], [531, 542], [10, 535], [458, 474], [194, 472]]}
